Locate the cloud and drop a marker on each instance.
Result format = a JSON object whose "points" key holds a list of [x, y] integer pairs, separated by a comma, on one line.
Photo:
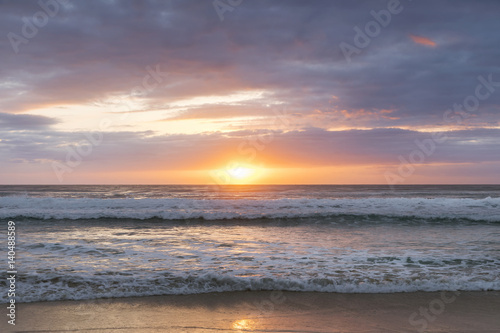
{"points": [[25, 122], [289, 48], [304, 148], [95, 51], [422, 40], [127, 153]]}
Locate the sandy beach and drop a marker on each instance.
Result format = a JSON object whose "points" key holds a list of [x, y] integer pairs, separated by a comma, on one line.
{"points": [[267, 312]]}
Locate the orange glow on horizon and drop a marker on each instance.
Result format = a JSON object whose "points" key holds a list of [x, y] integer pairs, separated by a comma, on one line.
{"points": [[237, 173], [241, 173]]}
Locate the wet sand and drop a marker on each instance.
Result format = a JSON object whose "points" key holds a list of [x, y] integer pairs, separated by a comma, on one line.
{"points": [[266, 312]]}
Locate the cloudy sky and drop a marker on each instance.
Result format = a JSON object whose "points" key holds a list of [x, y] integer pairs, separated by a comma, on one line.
{"points": [[236, 91]]}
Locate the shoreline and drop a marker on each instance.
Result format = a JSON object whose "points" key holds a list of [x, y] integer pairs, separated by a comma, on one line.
{"points": [[266, 311]]}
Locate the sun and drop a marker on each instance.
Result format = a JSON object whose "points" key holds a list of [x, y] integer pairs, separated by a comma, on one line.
{"points": [[237, 173], [240, 173]]}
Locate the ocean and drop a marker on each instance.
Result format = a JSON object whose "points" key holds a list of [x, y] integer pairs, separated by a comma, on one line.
{"points": [[78, 242]]}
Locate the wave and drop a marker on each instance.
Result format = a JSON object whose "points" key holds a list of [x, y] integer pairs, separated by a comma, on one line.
{"points": [[33, 288], [487, 209]]}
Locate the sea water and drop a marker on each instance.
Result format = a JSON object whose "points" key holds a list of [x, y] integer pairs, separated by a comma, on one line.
{"points": [[86, 242]]}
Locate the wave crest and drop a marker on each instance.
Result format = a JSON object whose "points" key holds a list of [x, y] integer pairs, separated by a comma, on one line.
{"points": [[487, 209]]}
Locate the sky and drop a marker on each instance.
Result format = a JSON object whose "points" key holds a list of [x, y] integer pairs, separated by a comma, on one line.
{"points": [[239, 91]]}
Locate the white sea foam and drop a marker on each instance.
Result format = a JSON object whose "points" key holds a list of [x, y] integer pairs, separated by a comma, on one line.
{"points": [[74, 261], [35, 288], [384, 246], [487, 209]]}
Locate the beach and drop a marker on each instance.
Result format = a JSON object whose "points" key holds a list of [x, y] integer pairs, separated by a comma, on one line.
{"points": [[264, 312]]}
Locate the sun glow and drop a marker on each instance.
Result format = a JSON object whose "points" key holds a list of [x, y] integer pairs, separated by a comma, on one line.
{"points": [[244, 324], [237, 173], [240, 173]]}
